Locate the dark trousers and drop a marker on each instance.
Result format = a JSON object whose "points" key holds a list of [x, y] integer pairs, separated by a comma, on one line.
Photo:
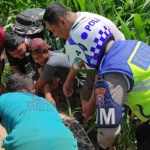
{"points": [[143, 136]]}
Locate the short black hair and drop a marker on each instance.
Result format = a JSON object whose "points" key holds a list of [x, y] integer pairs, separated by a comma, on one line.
{"points": [[19, 81], [11, 41], [54, 11]]}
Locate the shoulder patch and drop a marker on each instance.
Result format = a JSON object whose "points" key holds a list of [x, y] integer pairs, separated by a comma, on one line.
{"points": [[100, 96]]}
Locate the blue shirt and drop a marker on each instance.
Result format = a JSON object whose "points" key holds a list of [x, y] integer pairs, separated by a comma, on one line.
{"points": [[33, 123]]}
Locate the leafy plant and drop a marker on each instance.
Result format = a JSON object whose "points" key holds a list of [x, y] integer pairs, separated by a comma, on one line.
{"points": [[6, 73], [90, 124], [126, 138]]}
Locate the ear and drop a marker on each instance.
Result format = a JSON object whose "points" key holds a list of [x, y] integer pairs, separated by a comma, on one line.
{"points": [[63, 21]]}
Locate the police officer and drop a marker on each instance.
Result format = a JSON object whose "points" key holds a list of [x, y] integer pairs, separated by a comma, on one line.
{"points": [[123, 70]]}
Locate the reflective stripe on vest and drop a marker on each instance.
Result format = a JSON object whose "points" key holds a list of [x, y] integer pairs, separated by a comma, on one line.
{"points": [[141, 86], [139, 96]]}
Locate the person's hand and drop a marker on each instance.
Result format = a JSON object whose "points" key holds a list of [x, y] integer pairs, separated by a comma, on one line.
{"points": [[88, 109], [68, 88], [48, 95]]}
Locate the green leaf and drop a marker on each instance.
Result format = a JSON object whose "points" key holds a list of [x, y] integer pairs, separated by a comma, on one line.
{"points": [[101, 9], [124, 27], [6, 27], [82, 4], [138, 25], [131, 3], [76, 4], [146, 6]]}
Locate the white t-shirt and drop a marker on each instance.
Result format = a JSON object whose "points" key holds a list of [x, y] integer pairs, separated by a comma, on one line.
{"points": [[116, 32]]}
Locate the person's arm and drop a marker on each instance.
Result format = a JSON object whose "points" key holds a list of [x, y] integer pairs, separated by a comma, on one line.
{"points": [[47, 93], [45, 76], [112, 92], [38, 85], [40, 70], [53, 85], [72, 74], [73, 71], [2, 88], [48, 87], [90, 106], [68, 85]]}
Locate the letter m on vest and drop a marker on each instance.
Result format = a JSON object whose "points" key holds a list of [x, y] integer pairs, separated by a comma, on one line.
{"points": [[105, 118]]}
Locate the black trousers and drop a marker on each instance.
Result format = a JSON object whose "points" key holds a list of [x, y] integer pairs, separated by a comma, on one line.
{"points": [[143, 136]]}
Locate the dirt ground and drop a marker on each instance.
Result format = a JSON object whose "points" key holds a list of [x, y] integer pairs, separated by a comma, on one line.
{"points": [[2, 134]]}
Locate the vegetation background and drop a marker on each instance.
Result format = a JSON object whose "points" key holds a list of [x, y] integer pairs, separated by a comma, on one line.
{"points": [[131, 16]]}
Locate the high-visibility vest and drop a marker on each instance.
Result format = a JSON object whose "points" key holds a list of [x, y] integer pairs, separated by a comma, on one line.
{"points": [[131, 58]]}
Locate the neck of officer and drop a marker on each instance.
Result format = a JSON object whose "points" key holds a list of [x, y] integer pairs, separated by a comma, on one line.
{"points": [[109, 46], [71, 18], [23, 90]]}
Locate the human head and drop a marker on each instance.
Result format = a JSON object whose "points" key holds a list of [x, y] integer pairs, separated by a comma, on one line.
{"points": [[19, 82], [39, 51], [88, 40], [15, 45], [59, 19], [2, 37]]}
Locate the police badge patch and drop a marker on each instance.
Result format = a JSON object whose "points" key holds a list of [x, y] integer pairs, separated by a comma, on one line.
{"points": [[99, 95], [108, 112]]}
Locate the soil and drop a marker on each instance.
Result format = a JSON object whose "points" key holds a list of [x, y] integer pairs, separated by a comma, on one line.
{"points": [[75, 103]]}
